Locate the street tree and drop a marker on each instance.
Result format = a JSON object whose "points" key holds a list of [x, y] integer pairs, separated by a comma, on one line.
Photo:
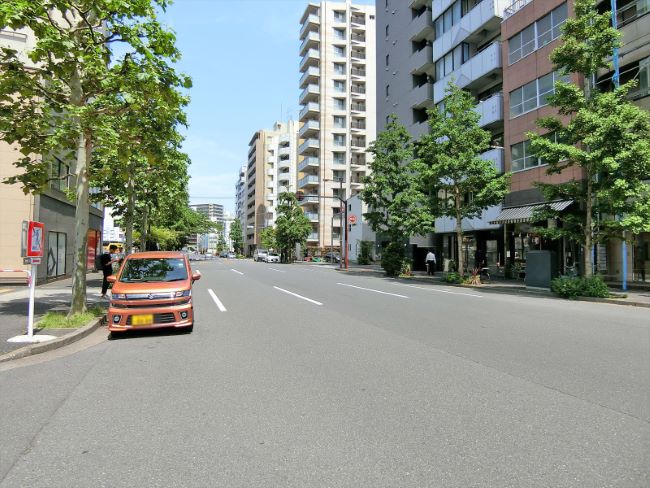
{"points": [[292, 227], [222, 245], [268, 238], [459, 183], [602, 133], [237, 236], [58, 99], [394, 198]]}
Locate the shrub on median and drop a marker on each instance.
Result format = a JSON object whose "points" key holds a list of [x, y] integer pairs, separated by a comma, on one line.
{"points": [[572, 288]]}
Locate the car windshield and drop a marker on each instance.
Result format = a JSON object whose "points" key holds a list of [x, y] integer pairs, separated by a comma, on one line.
{"points": [[273, 254], [154, 269]]}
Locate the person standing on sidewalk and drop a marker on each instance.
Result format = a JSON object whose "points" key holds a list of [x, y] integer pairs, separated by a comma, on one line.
{"points": [[106, 260], [431, 263]]}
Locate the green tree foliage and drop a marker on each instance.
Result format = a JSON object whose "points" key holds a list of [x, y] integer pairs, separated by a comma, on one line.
{"points": [[268, 238], [222, 245], [237, 236], [292, 225], [59, 100], [459, 183], [606, 137]]}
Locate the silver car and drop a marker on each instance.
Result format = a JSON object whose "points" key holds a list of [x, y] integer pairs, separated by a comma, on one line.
{"points": [[272, 257]]}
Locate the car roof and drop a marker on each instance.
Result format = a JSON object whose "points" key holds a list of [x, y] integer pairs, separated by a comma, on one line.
{"points": [[156, 255]]}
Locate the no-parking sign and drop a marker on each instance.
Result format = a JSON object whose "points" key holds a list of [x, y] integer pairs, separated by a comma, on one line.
{"points": [[33, 239]]}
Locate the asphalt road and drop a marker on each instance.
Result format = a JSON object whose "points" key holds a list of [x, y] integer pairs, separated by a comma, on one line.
{"points": [[301, 376]]}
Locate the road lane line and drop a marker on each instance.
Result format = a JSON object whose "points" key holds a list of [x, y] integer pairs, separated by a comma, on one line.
{"points": [[278, 270], [238, 272], [441, 291], [297, 296], [375, 291], [216, 300]]}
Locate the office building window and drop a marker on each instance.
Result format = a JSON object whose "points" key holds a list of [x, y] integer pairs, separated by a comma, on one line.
{"points": [[522, 157], [339, 103], [338, 157], [537, 34], [339, 85], [59, 174], [339, 122], [452, 60], [339, 139], [534, 94]]}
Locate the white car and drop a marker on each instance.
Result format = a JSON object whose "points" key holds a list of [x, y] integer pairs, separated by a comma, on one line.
{"points": [[260, 254], [272, 257]]}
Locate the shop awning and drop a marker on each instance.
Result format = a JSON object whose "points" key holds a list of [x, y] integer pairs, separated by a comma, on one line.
{"points": [[524, 213]]}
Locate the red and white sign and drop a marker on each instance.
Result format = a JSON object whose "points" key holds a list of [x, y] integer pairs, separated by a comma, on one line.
{"points": [[352, 219], [35, 239]]}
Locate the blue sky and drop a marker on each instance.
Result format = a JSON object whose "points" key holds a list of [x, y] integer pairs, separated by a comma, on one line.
{"points": [[242, 56]]}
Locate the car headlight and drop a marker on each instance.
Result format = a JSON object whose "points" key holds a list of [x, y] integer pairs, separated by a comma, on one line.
{"points": [[118, 296], [184, 293]]}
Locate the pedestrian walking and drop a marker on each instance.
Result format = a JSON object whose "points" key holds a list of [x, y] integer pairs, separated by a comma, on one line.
{"points": [[431, 263], [106, 261]]}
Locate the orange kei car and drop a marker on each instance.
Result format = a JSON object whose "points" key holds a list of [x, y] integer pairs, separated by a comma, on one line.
{"points": [[152, 290]]}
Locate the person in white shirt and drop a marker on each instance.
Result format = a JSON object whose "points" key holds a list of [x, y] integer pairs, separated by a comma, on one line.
{"points": [[431, 263]]}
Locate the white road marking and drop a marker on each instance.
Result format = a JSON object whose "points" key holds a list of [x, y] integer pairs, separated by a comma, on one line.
{"points": [[278, 270], [441, 291], [238, 272], [216, 300], [297, 296], [375, 291]]}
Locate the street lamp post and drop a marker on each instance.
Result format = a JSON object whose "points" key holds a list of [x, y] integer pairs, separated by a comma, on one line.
{"points": [[344, 222]]}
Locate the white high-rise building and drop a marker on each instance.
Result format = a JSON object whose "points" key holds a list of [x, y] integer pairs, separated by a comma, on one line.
{"points": [[337, 119]]}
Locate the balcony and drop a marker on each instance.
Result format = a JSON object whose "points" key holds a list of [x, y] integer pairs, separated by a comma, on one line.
{"points": [[472, 74], [311, 75], [284, 163], [358, 107], [358, 20], [484, 19], [358, 39], [312, 237], [358, 56], [422, 61], [284, 151], [310, 24], [497, 156], [284, 176], [312, 40], [421, 27], [310, 94], [309, 180], [358, 125], [309, 128], [358, 72], [490, 110], [311, 109], [421, 96], [310, 162], [309, 145], [311, 199], [282, 189], [312, 216], [311, 58]]}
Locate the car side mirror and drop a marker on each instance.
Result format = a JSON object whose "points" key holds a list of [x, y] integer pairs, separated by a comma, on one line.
{"points": [[111, 278], [196, 275]]}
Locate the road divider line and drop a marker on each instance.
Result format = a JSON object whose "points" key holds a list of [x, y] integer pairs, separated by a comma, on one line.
{"points": [[441, 291], [238, 272], [372, 290], [278, 270], [297, 296], [216, 300]]}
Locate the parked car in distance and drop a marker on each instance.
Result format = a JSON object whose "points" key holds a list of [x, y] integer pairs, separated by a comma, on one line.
{"points": [[231, 255], [152, 290], [223, 254], [332, 257], [272, 257], [259, 254]]}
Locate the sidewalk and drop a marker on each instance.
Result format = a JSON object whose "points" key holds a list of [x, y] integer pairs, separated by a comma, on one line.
{"points": [[56, 296], [640, 298]]}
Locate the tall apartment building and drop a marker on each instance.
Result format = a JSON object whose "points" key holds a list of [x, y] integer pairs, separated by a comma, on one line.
{"points": [[270, 171], [213, 211], [51, 207], [241, 196], [338, 100]]}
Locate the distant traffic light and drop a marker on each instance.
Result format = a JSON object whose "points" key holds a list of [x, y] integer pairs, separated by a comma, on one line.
{"points": [[300, 196]]}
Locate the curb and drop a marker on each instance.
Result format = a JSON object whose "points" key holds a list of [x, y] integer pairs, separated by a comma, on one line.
{"points": [[38, 348]]}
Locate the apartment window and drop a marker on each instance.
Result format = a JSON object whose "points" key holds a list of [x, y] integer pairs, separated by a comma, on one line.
{"points": [[387, 30], [338, 157], [339, 103], [628, 11], [339, 122], [338, 175], [387, 59], [339, 139], [339, 15], [339, 68], [339, 33], [59, 172], [452, 60], [522, 157], [534, 94], [537, 34], [339, 85], [339, 51], [644, 75], [452, 15]]}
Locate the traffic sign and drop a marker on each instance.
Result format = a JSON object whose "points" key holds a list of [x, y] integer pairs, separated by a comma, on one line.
{"points": [[352, 219], [33, 237]]}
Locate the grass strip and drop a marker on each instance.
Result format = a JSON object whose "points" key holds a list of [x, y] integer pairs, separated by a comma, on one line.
{"points": [[60, 320]]}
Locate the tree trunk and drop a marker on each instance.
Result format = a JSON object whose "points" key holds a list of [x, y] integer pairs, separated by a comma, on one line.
{"points": [[459, 235], [145, 227], [128, 217], [587, 258], [84, 150]]}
